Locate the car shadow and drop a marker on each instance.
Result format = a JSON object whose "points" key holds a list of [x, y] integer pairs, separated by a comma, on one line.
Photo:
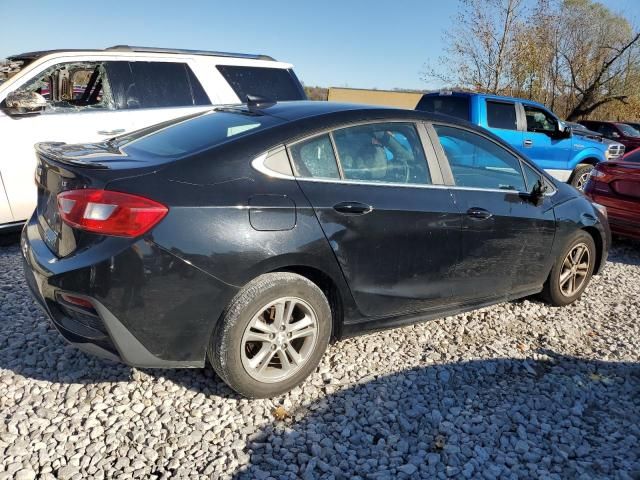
{"points": [[625, 251], [557, 417]]}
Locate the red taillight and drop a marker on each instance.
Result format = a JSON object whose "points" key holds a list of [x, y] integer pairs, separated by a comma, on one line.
{"points": [[73, 300], [109, 213]]}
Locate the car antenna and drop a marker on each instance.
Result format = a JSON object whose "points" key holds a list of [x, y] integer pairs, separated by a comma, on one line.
{"points": [[256, 102]]}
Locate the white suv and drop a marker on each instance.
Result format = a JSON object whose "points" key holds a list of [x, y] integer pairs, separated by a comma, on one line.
{"points": [[76, 96]]}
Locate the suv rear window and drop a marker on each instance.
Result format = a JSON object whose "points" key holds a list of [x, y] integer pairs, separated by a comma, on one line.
{"points": [[452, 105], [274, 84], [154, 85]]}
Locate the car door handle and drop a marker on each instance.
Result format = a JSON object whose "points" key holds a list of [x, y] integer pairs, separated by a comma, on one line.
{"points": [[115, 131], [479, 213], [528, 143], [352, 208]]}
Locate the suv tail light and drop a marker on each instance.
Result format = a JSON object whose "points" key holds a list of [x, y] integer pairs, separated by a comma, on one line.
{"points": [[109, 213]]}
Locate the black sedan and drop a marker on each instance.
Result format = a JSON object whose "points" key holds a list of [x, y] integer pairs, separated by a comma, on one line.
{"points": [[253, 235]]}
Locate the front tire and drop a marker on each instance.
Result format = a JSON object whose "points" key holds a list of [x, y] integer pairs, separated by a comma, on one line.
{"points": [[581, 176], [272, 335], [571, 271]]}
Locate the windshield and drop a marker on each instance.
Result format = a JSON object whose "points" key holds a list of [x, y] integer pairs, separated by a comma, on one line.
{"points": [[628, 130]]}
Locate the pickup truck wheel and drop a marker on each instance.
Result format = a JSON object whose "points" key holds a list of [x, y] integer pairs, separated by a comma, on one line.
{"points": [[581, 176], [272, 335], [571, 271]]}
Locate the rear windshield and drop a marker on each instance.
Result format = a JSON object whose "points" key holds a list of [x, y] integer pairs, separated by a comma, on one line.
{"points": [[452, 105], [274, 84], [193, 134]]}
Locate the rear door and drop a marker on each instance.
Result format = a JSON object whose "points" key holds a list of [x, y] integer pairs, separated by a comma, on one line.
{"points": [[502, 119], [506, 239], [392, 225]]}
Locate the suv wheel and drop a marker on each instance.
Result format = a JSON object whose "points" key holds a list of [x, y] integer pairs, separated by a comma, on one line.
{"points": [[572, 271], [581, 176], [272, 335]]}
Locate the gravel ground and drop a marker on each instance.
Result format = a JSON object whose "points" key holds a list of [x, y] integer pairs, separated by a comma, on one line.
{"points": [[518, 390]]}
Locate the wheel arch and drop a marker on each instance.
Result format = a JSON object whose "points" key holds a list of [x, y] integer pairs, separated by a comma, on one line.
{"points": [[330, 289], [597, 239]]}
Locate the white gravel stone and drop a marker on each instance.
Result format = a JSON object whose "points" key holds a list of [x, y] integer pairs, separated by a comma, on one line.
{"points": [[516, 390]]}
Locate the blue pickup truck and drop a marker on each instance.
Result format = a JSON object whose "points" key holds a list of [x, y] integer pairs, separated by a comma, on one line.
{"points": [[530, 128]]}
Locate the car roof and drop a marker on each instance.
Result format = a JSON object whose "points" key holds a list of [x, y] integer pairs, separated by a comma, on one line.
{"points": [[490, 96], [291, 111], [128, 48]]}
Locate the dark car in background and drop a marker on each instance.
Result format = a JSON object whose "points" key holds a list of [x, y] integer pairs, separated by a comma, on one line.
{"points": [[616, 185], [254, 234], [617, 131]]}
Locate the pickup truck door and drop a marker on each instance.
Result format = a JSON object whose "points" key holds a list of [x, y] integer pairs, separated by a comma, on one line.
{"points": [[502, 120], [541, 142]]}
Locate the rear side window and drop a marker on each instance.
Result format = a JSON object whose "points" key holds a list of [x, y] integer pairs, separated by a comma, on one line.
{"points": [[502, 115], [453, 105], [478, 162], [274, 84], [314, 158], [382, 152], [154, 85]]}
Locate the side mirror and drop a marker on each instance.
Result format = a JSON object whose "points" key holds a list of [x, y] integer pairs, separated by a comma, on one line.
{"points": [[536, 195], [615, 134], [23, 102], [564, 130]]}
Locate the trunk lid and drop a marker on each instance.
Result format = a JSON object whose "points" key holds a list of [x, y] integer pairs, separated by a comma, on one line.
{"points": [[62, 167]]}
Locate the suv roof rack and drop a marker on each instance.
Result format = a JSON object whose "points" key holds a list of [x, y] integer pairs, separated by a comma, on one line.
{"points": [[129, 48]]}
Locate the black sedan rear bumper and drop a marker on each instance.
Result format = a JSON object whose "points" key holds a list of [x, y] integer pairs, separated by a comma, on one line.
{"points": [[149, 307]]}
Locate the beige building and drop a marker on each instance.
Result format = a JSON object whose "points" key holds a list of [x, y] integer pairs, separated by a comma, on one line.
{"points": [[388, 98]]}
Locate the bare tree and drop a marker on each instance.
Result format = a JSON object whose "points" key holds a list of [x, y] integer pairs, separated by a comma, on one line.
{"points": [[479, 44], [576, 56]]}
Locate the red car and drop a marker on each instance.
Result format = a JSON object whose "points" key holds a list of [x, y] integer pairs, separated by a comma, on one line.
{"points": [[616, 131], [616, 185]]}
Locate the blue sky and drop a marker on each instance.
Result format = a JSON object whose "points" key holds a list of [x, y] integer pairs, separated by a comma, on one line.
{"points": [[351, 43]]}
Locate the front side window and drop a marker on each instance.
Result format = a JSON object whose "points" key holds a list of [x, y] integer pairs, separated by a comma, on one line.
{"points": [[72, 87], [275, 84], [502, 115], [531, 175], [539, 120], [382, 152], [314, 158], [477, 162], [154, 85]]}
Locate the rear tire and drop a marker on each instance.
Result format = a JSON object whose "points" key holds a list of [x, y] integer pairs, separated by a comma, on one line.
{"points": [[272, 335], [581, 176], [571, 271]]}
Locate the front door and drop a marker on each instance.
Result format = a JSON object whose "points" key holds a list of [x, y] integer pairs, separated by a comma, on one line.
{"points": [[541, 142], [393, 227], [506, 238], [90, 101]]}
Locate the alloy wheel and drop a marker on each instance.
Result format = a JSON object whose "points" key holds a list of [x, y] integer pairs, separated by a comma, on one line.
{"points": [[582, 180], [575, 269], [279, 339]]}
